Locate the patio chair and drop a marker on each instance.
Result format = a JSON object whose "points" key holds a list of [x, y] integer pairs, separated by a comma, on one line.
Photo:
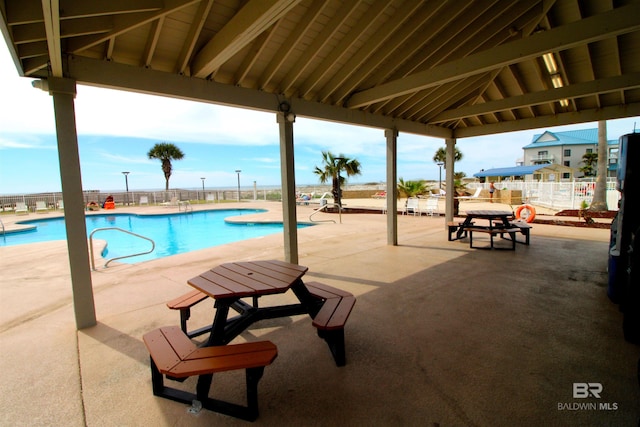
{"points": [[61, 204], [21, 208], [144, 200], [41, 207], [412, 206]]}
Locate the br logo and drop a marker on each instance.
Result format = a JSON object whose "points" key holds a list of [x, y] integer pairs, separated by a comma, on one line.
{"points": [[585, 390]]}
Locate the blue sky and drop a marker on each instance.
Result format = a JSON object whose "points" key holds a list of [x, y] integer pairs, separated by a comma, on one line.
{"points": [[116, 130]]}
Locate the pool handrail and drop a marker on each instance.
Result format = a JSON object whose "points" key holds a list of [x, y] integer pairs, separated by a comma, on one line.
{"points": [[323, 207], [93, 264]]}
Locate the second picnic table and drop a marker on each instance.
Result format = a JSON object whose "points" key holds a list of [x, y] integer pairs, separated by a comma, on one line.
{"points": [[499, 223]]}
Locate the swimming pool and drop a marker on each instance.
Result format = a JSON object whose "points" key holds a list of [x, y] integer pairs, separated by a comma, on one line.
{"points": [[173, 234]]}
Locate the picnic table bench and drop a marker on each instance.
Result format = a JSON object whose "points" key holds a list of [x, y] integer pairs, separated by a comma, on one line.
{"points": [[184, 303], [524, 228], [329, 320], [332, 317], [172, 354], [492, 232], [454, 227]]}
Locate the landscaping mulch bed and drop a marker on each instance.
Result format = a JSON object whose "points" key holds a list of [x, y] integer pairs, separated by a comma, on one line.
{"points": [[595, 214], [581, 222]]}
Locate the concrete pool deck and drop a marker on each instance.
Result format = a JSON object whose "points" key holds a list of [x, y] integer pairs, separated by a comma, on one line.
{"points": [[440, 335]]}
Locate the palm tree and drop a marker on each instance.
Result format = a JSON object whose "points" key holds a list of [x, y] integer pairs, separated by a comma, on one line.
{"points": [[599, 201], [590, 160], [411, 188], [331, 169], [166, 152], [441, 156]]}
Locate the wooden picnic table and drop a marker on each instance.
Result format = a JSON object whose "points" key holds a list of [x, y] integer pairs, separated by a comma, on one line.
{"points": [[229, 283], [499, 224]]}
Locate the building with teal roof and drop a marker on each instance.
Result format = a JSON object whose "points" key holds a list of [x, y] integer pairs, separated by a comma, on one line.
{"points": [[566, 149]]}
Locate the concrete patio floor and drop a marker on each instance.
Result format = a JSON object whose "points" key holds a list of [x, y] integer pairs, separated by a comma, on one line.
{"points": [[441, 334]]}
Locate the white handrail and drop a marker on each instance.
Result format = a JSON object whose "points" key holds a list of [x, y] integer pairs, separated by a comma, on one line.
{"points": [[93, 265], [321, 208]]}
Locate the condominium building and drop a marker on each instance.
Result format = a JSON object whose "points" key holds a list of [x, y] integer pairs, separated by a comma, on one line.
{"points": [[567, 149]]}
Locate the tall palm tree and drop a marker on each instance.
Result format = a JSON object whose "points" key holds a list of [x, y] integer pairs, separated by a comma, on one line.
{"points": [[441, 156], [599, 201], [332, 168], [166, 152]]}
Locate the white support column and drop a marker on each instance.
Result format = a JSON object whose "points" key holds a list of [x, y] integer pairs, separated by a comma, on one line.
{"points": [[63, 91], [285, 122], [392, 189], [448, 211]]}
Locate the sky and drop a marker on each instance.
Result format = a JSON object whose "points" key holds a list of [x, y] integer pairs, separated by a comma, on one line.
{"points": [[116, 129]]}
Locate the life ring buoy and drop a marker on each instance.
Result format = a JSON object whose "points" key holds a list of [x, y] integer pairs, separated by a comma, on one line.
{"points": [[526, 212]]}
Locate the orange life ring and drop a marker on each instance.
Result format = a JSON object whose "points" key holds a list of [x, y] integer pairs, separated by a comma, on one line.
{"points": [[528, 215]]}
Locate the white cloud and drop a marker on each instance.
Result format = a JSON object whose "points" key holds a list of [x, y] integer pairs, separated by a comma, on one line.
{"points": [[119, 113]]}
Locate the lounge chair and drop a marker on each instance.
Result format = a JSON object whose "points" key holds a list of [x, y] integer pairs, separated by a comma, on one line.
{"points": [[380, 195], [432, 206], [413, 206], [21, 209], [474, 196], [172, 202], [41, 207]]}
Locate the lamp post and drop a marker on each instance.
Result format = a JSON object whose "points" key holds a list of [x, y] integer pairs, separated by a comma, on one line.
{"points": [[203, 197], [126, 183], [238, 172], [440, 174]]}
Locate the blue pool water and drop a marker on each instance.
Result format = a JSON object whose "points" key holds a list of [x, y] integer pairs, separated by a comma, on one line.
{"points": [[172, 233]]}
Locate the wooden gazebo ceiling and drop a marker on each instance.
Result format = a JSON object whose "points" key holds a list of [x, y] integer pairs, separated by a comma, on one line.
{"points": [[440, 68]]}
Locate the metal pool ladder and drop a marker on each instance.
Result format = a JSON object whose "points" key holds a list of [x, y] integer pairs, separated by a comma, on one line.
{"points": [[93, 264]]}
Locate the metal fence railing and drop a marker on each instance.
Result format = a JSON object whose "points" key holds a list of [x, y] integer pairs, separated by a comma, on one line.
{"points": [[558, 195], [54, 200], [555, 195]]}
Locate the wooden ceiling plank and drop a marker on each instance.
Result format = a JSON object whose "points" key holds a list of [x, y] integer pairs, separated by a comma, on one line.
{"points": [[124, 23], [254, 18], [376, 58], [599, 27], [318, 44], [364, 23], [72, 9], [252, 56], [194, 31], [288, 45]]}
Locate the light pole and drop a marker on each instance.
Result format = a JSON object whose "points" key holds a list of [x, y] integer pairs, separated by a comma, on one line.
{"points": [[203, 198], [238, 172], [440, 174], [126, 183]]}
